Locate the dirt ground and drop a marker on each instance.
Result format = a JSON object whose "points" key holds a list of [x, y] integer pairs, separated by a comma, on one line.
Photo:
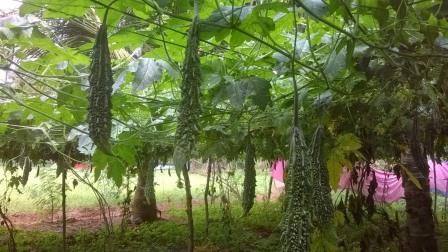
{"points": [[87, 219], [90, 219], [77, 220]]}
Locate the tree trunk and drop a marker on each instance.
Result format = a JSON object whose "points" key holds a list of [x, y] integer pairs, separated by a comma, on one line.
{"points": [[144, 207], [420, 222], [150, 193]]}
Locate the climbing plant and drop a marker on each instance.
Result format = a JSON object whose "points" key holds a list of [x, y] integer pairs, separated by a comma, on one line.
{"points": [[322, 83]]}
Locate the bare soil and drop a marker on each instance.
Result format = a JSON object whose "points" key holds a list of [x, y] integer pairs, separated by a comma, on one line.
{"points": [[87, 219], [90, 219], [77, 219]]}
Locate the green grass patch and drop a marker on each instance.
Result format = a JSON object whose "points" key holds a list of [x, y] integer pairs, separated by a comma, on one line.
{"points": [[256, 232], [24, 200]]}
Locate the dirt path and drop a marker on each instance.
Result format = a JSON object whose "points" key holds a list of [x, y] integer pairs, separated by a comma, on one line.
{"points": [[87, 219], [90, 219], [77, 220]]}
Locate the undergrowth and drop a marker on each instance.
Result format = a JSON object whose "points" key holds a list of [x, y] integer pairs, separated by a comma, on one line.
{"points": [[256, 232], [259, 231]]}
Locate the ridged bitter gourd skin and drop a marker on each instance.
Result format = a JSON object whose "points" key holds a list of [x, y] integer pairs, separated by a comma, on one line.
{"points": [[100, 103]]}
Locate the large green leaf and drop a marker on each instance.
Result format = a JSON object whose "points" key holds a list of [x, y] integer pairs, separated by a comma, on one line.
{"points": [[116, 170], [335, 64], [224, 16], [316, 7], [214, 25], [259, 91], [126, 147], [147, 72], [258, 24], [337, 158], [126, 38], [348, 143], [254, 89], [335, 163], [55, 8], [99, 160], [126, 152], [237, 94], [114, 167]]}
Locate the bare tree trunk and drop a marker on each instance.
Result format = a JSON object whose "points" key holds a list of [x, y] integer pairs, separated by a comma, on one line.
{"points": [[420, 222], [144, 205], [150, 193], [189, 203]]}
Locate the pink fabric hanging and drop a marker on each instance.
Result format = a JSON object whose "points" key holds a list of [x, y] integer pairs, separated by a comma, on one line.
{"points": [[441, 177], [277, 172], [389, 187]]}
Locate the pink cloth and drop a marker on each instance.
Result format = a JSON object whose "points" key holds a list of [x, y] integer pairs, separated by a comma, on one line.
{"points": [[277, 172], [82, 166], [389, 187], [441, 177]]}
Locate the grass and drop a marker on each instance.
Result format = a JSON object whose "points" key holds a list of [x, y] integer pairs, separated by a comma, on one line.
{"points": [[81, 196], [257, 232]]}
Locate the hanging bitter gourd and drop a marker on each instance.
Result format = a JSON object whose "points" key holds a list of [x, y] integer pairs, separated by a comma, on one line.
{"points": [[249, 177], [187, 130], [296, 222], [101, 80], [27, 165], [321, 194]]}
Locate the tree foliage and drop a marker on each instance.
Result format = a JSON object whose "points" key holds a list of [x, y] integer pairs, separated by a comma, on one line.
{"points": [[365, 71]]}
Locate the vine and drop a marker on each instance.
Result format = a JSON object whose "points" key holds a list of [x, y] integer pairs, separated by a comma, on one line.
{"points": [[249, 177], [187, 130]]}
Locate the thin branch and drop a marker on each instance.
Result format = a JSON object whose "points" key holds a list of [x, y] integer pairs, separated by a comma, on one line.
{"points": [[293, 71], [313, 56]]}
